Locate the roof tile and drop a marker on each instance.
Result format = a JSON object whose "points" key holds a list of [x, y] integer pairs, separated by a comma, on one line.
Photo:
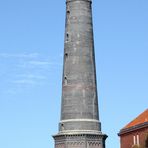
{"points": [[142, 118]]}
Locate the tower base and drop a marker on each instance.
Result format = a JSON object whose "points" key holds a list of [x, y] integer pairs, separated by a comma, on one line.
{"points": [[80, 140]]}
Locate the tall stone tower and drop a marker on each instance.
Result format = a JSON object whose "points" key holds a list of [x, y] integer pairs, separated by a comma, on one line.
{"points": [[79, 126]]}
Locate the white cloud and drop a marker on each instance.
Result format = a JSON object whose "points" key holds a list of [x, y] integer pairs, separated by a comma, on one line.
{"points": [[19, 55], [44, 63], [27, 69], [39, 63], [24, 81], [31, 76]]}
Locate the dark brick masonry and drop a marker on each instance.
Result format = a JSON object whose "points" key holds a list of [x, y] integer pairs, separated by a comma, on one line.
{"points": [[79, 126]]}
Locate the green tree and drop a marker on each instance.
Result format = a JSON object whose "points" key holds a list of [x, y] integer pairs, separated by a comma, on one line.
{"points": [[135, 146]]}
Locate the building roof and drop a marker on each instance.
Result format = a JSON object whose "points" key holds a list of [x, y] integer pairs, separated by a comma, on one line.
{"points": [[142, 118], [140, 122]]}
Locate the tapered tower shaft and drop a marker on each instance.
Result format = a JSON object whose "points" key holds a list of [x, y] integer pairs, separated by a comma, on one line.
{"points": [[79, 98], [79, 113]]}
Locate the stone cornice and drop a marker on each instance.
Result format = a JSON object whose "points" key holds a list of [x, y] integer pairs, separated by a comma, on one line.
{"points": [[67, 1]]}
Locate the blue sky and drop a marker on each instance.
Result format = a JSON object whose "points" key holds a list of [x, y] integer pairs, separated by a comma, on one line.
{"points": [[31, 50]]}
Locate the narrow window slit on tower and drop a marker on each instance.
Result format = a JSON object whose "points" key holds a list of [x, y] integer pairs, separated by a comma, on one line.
{"points": [[68, 12], [62, 126], [65, 80], [66, 55], [67, 37]]}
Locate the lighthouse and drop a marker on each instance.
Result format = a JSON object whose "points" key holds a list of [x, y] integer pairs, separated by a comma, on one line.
{"points": [[79, 126]]}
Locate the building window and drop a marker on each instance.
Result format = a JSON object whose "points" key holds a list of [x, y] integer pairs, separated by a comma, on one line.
{"points": [[138, 140], [134, 140]]}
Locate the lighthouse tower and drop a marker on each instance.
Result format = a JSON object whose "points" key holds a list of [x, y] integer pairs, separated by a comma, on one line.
{"points": [[79, 126]]}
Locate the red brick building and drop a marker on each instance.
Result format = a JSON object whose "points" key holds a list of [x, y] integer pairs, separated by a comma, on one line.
{"points": [[135, 134]]}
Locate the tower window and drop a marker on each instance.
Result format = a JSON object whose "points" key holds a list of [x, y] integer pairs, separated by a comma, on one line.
{"points": [[62, 126], [67, 37], [66, 55], [68, 12], [65, 80]]}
